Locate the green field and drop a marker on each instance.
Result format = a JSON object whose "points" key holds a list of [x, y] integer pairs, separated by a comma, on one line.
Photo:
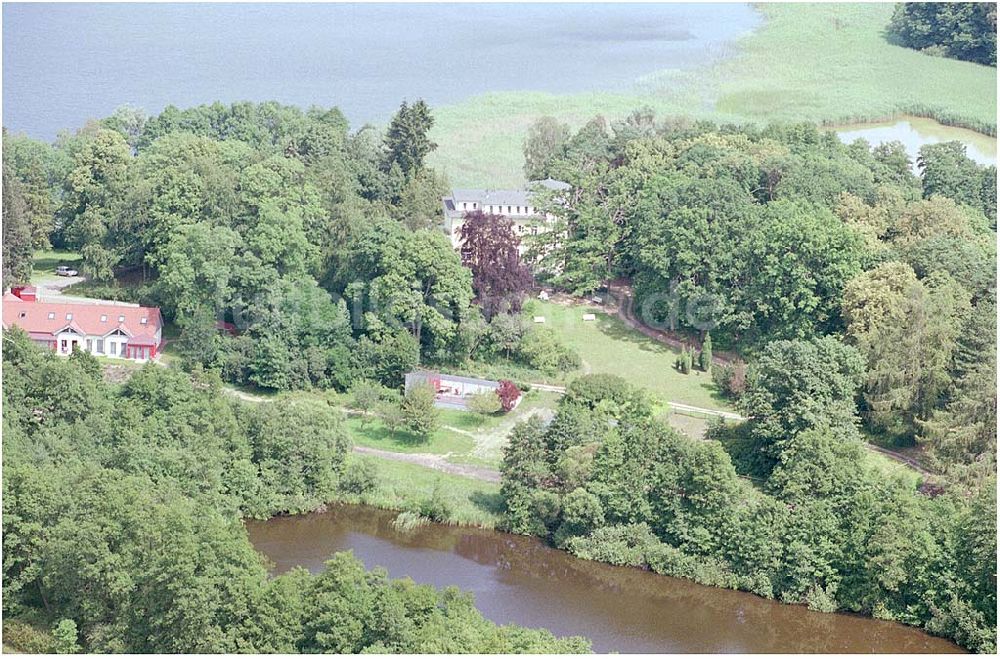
{"points": [[826, 63], [46, 261], [463, 437], [607, 345], [402, 486]]}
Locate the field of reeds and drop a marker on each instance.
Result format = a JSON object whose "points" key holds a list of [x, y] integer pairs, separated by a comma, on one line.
{"points": [[826, 63]]}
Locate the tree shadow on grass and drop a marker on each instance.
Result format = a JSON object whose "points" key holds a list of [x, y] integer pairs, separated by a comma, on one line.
{"points": [[490, 502], [398, 439], [615, 329]]}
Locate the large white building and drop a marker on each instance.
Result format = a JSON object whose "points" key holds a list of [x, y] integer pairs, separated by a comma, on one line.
{"points": [[108, 329], [516, 205]]}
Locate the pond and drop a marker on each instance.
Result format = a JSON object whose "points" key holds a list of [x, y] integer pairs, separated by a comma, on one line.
{"points": [[516, 579], [915, 132]]}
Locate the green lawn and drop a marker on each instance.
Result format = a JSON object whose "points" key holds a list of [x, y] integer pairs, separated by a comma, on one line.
{"points": [[46, 261], [811, 62], [464, 437], [402, 486], [607, 345], [376, 435]]}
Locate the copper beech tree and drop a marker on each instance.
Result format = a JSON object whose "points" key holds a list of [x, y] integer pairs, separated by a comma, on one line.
{"points": [[490, 249]]}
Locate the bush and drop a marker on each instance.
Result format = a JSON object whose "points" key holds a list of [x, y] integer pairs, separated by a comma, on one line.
{"points": [[731, 378], [485, 403], [437, 507], [541, 349], [508, 393], [419, 413], [22, 637], [360, 477]]}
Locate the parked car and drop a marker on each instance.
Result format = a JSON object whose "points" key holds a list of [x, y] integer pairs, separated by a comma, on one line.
{"points": [[66, 271]]}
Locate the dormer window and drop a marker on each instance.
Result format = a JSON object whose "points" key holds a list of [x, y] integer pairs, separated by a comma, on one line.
{"points": [[52, 315], [23, 314], [69, 316], [143, 321], [121, 319], [104, 317]]}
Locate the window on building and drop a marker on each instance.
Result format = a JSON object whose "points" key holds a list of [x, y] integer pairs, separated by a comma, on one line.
{"points": [[112, 348], [104, 318], [100, 346], [52, 315], [143, 321], [69, 316], [23, 314], [465, 206], [508, 209], [518, 209], [90, 345], [121, 319]]}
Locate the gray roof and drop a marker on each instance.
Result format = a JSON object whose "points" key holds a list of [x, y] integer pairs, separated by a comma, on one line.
{"points": [[505, 197], [493, 197], [424, 375], [551, 184]]}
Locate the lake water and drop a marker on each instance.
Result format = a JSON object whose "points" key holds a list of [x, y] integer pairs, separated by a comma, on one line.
{"points": [[914, 132], [65, 63], [516, 579]]}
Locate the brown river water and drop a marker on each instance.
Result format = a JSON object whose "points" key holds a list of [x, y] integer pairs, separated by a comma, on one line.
{"points": [[516, 579]]}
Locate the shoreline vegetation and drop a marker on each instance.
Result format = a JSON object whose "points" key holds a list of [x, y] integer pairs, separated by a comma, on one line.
{"points": [[827, 64], [861, 295]]}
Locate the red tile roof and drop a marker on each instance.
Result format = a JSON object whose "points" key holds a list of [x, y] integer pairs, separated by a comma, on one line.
{"points": [[49, 317]]}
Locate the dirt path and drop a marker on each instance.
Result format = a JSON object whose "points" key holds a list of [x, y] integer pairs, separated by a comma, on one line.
{"points": [[623, 306], [433, 461], [899, 457]]}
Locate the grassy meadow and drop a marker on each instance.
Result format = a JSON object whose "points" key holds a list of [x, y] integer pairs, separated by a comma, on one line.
{"points": [[607, 345], [45, 262], [403, 486], [827, 63]]}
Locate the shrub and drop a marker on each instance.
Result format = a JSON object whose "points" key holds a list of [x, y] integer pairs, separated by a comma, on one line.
{"points": [[541, 349], [391, 415], [508, 393], [419, 413], [485, 403], [360, 477], [437, 507], [731, 378]]}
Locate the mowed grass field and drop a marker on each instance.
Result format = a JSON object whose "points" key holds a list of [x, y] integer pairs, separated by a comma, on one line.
{"points": [[46, 261], [607, 345], [827, 63]]}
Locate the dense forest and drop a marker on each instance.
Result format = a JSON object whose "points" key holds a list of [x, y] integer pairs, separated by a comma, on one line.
{"points": [[863, 297], [122, 509], [962, 30], [858, 296], [317, 243], [608, 481]]}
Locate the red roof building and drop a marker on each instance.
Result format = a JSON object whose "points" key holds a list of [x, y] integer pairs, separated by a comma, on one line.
{"points": [[107, 329]]}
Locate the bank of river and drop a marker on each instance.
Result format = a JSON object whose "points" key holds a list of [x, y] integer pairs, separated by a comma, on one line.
{"points": [[915, 132], [517, 579]]}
